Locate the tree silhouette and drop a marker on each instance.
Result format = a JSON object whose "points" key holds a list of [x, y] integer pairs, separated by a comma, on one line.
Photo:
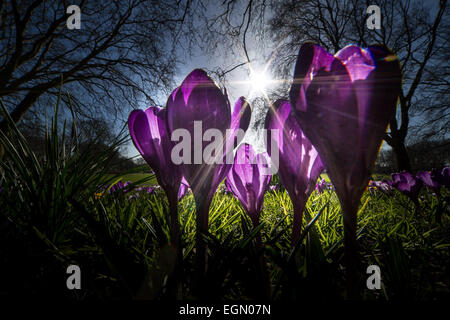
{"points": [[122, 54], [417, 31]]}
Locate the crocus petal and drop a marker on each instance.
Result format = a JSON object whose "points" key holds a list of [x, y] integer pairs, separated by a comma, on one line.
{"points": [[358, 61], [263, 161], [184, 187], [241, 115], [240, 120], [377, 98]]}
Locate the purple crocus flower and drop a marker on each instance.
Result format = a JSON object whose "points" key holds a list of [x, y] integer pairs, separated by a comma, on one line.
{"points": [[273, 188], [149, 190], [199, 102], [119, 186], [343, 103], [300, 164], [380, 185], [429, 180], [249, 179], [441, 177], [196, 107], [240, 119], [150, 135], [321, 186], [407, 184], [184, 188]]}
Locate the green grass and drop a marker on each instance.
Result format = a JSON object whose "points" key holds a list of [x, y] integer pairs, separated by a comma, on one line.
{"points": [[409, 249], [135, 177]]}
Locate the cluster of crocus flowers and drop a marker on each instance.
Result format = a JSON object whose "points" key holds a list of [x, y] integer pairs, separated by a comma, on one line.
{"points": [[139, 190], [410, 185], [196, 107], [299, 163], [336, 119], [343, 103], [119, 186]]}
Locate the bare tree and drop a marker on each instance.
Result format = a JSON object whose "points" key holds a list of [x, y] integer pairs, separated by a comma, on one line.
{"points": [[417, 31], [413, 30], [123, 54], [431, 107]]}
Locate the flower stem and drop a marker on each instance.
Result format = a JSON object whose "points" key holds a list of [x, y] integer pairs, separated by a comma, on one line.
{"points": [[265, 291], [351, 259], [297, 223], [175, 287], [202, 214]]}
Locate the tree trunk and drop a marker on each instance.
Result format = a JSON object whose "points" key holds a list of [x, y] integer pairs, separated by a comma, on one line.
{"points": [[401, 155]]}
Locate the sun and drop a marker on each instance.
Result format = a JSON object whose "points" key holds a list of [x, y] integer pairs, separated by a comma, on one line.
{"points": [[259, 81]]}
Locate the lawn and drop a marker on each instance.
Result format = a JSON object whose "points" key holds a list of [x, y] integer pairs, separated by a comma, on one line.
{"points": [[134, 177], [411, 250]]}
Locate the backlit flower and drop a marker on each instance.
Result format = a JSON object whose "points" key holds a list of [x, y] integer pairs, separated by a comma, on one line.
{"points": [[343, 103], [249, 179], [299, 165]]}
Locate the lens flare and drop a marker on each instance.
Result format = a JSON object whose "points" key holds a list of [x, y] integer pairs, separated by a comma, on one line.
{"points": [[259, 81]]}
